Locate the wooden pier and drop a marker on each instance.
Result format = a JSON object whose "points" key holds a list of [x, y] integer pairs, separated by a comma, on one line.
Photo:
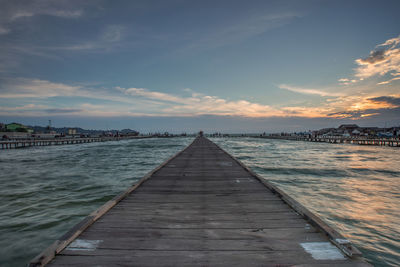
{"points": [[392, 142], [13, 144], [202, 207]]}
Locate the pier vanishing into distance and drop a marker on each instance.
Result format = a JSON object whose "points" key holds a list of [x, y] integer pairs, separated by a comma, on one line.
{"points": [[202, 207]]}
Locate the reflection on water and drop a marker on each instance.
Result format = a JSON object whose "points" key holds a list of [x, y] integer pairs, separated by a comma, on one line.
{"points": [[354, 188]]}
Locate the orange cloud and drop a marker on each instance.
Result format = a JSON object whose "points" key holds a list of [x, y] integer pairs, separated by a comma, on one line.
{"points": [[144, 102], [309, 91], [383, 60]]}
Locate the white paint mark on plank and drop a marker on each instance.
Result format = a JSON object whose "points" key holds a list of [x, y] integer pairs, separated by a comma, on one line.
{"points": [[343, 241], [85, 245], [323, 251], [245, 179]]}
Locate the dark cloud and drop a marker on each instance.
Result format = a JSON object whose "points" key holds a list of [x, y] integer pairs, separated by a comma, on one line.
{"points": [[376, 115], [356, 114], [14, 11], [374, 57], [387, 99], [63, 110]]}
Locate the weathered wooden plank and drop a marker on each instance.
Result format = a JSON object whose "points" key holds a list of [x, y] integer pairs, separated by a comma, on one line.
{"points": [[199, 258], [217, 172], [197, 191], [217, 197], [207, 217], [127, 243], [227, 234], [178, 198], [256, 205], [217, 210], [210, 225], [234, 183]]}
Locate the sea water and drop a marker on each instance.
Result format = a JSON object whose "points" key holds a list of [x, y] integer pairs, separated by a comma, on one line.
{"points": [[46, 190]]}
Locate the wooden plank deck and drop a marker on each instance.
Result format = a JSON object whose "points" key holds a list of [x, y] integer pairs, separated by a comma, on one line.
{"points": [[201, 208]]}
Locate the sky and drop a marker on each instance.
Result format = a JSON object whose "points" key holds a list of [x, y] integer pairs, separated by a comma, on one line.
{"points": [[183, 66]]}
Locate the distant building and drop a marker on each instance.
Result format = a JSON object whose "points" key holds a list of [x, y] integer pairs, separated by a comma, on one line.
{"points": [[349, 130], [396, 131], [71, 131], [325, 132], [385, 134], [346, 134], [348, 127], [370, 131]]}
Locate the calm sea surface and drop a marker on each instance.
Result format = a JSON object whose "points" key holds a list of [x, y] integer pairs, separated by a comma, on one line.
{"points": [[46, 190]]}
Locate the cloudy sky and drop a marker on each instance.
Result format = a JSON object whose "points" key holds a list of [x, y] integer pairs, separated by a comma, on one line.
{"points": [[180, 65]]}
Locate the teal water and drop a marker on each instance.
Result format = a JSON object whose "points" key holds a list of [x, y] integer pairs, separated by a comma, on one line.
{"points": [[46, 190]]}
